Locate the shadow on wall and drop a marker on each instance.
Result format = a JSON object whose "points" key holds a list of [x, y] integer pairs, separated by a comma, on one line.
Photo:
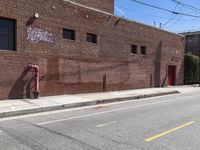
{"points": [[180, 75], [21, 88], [157, 65], [165, 79], [52, 80]]}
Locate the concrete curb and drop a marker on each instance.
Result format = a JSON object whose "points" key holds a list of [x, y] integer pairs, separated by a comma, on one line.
{"points": [[135, 97], [79, 104]]}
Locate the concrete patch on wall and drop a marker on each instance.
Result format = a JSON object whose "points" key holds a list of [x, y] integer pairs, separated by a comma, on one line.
{"points": [[37, 34]]}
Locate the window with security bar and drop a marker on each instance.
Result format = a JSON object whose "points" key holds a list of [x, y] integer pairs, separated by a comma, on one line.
{"points": [[7, 34]]}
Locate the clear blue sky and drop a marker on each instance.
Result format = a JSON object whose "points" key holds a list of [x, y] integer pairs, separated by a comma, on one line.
{"points": [[169, 21]]}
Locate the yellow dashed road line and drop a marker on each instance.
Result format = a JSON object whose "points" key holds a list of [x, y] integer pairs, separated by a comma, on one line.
{"points": [[167, 132]]}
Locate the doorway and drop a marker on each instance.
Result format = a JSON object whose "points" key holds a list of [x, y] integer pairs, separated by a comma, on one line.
{"points": [[171, 75]]}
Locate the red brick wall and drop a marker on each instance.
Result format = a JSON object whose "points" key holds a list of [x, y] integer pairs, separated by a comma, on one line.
{"points": [[105, 5], [77, 66]]}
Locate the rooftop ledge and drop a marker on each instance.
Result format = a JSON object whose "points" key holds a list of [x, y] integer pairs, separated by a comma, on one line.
{"points": [[110, 14]]}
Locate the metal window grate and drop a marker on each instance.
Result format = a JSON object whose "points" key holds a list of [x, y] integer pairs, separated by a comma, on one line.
{"points": [[7, 34], [143, 50], [68, 34], [134, 49], [91, 38]]}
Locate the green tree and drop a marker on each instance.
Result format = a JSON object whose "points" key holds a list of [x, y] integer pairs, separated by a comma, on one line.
{"points": [[191, 69]]}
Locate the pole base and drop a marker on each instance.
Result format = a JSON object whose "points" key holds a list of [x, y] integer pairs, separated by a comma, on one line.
{"points": [[36, 95]]}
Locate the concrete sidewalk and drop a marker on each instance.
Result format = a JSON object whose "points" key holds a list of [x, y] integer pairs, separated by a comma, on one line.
{"points": [[27, 106]]}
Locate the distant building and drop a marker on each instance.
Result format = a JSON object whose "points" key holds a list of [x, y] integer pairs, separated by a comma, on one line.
{"points": [[80, 46], [192, 42]]}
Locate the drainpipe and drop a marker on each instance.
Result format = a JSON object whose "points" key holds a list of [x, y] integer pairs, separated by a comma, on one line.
{"points": [[36, 79]]}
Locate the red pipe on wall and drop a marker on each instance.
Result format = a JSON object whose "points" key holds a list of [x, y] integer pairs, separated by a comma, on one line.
{"points": [[36, 79]]}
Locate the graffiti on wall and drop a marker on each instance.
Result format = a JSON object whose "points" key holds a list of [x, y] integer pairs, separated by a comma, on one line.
{"points": [[37, 34]]}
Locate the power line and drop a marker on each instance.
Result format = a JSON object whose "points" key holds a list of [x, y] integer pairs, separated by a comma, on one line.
{"points": [[186, 5], [147, 14], [175, 22], [131, 10], [178, 19], [195, 9], [171, 17], [167, 10]]}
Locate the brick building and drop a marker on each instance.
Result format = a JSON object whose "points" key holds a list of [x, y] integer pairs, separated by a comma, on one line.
{"points": [[80, 46], [192, 42]]}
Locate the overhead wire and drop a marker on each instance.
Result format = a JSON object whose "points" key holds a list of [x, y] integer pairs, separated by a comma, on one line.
{"points": [[170, 18], [195, 20], [174, 11], [166, 10], [176, 20], [131, 10], [195, 9], [142, 13], [187, 5]]}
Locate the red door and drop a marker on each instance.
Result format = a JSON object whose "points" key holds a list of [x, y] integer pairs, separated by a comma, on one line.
{"points": [[171, 75]]}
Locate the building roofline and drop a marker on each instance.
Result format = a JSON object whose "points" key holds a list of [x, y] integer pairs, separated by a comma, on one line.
{"points": [[88, 7], [190, 33], [155, 28], [107, 13]]}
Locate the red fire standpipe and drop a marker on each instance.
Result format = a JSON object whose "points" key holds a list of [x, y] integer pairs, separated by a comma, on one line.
{"points": [[36, 79]]}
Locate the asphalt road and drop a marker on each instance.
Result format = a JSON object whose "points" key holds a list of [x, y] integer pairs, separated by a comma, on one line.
{"points": [[161, 123]]}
